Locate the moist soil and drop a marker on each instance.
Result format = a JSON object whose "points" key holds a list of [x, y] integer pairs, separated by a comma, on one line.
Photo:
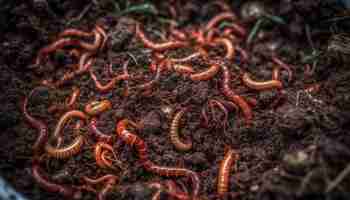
{"points": [[297, 149]]}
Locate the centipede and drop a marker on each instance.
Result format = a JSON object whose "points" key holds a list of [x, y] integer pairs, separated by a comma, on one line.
{"points": [[141, 147], [261, 85], [231, 95], [207, 74], [225, 169], [174, 132], [69, 150]]}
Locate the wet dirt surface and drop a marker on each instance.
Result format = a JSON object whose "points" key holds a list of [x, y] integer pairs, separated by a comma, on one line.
{"points": [[298, 149]]}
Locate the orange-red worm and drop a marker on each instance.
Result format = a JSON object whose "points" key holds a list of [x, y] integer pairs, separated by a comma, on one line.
{"points": [[110, 85], [185, 59], [141, 147], [207, 74], [37, 124], [183, 69], [225, 169], [101, 161], [260, 85], [65, 118], [157, 46], [42, 180], [97, 133], [69, 150], [218, 18], [95, 45], [75, 32], [230, 50], [97, 107], [231, 95], [109, 182], [283, 65], [174, 132]]}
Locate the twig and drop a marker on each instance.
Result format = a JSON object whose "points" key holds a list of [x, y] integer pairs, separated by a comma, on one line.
{"points": [[333, 184]]}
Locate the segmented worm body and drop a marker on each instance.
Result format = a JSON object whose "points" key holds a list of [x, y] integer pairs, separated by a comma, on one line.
{"points": [[284, 66], [64, 119], [75, 32], [109, 182], [37, 124], [207, 74], [101, 160], [69, 150], [68, 192], [95, 45], [97, 107], [185, 59], [174, 132], [157, 46], [108, 86], [260, 85], [231, 95], [69, 103], [218, 18], [230, 50], [97, 133], [133, 140], [224, 171], [183, 69]]}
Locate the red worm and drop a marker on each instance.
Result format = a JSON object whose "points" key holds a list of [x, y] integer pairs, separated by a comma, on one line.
{"points": [[235, 28], [174, 132], [231, 95], [178, 34], [243, 53], [97, 107], [183, 69], [150, 84], [260, 85], [37, 124], [185, 59], [225, 169], [100, 30], [207, 74], [95, 45], [283, 66], [74, 32], [97, 133], [157, 46], [218, 18], [101, 161], [59, 44], [170, 188], [67, 192], [109, 182], [133, 140], [230, 50], [110, 85], [69, 103]]}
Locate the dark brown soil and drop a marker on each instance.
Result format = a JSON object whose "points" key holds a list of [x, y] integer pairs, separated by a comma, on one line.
{"points": [[294, 151]]}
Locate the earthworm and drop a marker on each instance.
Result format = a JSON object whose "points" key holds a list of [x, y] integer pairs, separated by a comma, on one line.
{"points": [[104, 35], [283, 66], [109, 181], [68, 192], [225, 169], [141, 147], [207, 74], [101, 161], [170, 188], [157, 46], [174, 132], [59, 44], [69, 103], [230, 50], [69, 150], [64, 119], [183, 69], [275, 73], [148, 85], [74, 32], [213, 103], [97, 107], [95, 45], [243, 53], [37, 124], [178, 34], [218, 18], [185, 59], [231, 95], [97, 133], [235, 28], [110, 85], [260, 85]]}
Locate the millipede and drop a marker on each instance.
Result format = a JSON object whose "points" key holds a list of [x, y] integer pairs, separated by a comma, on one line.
{"points": [[174, 132], [225, 169]]}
